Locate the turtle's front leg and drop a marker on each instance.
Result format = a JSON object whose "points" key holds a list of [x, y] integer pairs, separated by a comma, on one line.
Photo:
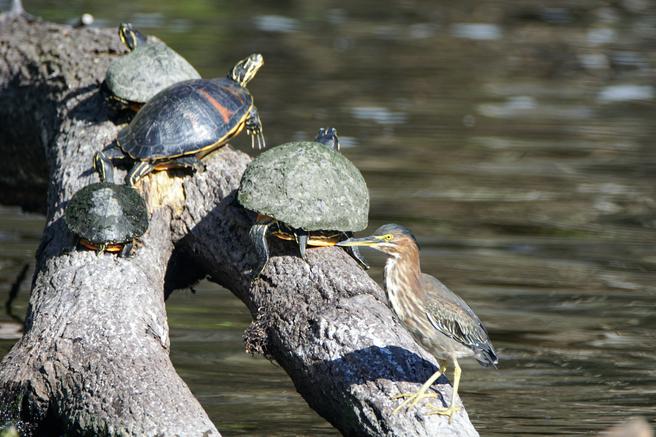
{"points": [[139, 170], [254, 129], [190, 162], [114, 153], [301, 239], [258, 234], [100, 249], [354, 251], [127, 251]]}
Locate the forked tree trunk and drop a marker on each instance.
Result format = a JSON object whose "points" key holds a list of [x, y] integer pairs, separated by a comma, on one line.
{"points": [[94, 358]]}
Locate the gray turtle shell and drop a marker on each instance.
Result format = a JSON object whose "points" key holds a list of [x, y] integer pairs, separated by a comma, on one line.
{"points": [[145, 71], [107, 213], [308, 186]]}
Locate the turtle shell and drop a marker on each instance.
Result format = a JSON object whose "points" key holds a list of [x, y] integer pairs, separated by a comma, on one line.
{"points": [[107, 213], [145, 71], [186, 118], [308, 186]]}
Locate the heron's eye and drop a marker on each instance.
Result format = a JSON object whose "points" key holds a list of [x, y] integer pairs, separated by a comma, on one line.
{"points": [[387, 237]]}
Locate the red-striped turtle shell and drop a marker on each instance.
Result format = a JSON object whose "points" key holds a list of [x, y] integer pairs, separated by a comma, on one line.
{"points": [[187, 118]]}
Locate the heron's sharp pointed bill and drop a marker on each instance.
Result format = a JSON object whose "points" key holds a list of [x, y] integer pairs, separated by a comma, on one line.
{"points": [[365, 241]]}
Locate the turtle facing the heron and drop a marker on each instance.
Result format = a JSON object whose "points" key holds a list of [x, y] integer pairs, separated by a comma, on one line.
{"points": [[150, 67], [107, 217], [305, 192], [188, 120]]}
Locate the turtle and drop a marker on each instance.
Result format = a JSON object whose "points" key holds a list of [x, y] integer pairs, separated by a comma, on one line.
{"points": [[107, 217], [135, 78], [188, 120], [306, 192]]}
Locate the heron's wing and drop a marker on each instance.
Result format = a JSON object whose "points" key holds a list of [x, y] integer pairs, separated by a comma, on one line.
{"points": [[450, 315]]}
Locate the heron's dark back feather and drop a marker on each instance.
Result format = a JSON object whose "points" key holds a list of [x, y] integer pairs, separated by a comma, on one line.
{"points": [[451, 315]]}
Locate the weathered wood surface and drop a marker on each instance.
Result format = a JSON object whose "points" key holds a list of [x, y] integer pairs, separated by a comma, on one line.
{"points": [[94, 358]]}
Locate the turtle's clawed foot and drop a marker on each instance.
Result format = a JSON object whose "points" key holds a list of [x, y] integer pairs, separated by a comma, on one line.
{"points": [[256, 271], [445, 411], [257, 138], [254, 129], [100, 249], [412, 399], [199, 167]]}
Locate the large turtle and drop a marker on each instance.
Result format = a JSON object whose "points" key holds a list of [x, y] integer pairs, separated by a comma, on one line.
{"points": [[307, 192], [188, 120], [107, 217], [150, 67]]}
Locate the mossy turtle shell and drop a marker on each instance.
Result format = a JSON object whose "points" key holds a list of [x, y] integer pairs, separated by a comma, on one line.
{"points": [[145, 71], [307, 186], [107, 213]]}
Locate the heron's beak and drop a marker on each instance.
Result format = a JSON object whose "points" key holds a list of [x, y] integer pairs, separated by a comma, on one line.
{"points": [[371, 241]]}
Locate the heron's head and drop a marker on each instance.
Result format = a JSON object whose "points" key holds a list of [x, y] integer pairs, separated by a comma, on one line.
{"points": [[394, 240], [246, 69], [130, 36]]}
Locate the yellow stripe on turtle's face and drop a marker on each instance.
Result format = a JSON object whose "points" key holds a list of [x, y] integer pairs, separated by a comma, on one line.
{"points": [[316, 240]]}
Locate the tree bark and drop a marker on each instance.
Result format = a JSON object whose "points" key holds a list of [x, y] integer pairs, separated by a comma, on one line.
{"points": [[94, 358]]}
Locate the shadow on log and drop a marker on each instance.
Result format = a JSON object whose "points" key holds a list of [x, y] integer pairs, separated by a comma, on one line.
{"points": [[94, 358]]}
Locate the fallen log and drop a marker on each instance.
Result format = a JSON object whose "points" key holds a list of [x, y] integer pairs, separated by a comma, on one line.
{"points": [[94, 358]]}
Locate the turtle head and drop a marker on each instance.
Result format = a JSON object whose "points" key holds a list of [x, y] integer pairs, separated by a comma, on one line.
{"points": [[328, 137], [130, 36], [246, 69], [103, 166]]}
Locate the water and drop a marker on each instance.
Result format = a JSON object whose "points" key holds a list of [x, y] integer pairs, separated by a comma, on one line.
{"points": [[516, 141]]}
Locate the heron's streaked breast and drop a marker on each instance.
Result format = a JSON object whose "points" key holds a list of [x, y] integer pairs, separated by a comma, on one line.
{"points": [[398, 284], [407, 302]]}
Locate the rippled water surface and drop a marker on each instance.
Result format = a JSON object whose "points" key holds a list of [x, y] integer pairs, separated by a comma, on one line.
{"points": [[515, 139]]}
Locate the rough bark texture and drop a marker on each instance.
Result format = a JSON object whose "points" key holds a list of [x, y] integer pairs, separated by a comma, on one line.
{"points": [[94, 357]]}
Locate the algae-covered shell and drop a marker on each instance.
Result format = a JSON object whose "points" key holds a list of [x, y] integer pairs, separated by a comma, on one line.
{"points": [[106, 213], [145, 71], [306, 185]]}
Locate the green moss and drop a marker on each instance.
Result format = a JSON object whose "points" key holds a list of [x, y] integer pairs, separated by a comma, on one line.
{"points": [[308, 186]]}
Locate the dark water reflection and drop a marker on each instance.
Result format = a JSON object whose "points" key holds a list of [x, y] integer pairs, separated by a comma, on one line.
{"points": [[515, 139]]}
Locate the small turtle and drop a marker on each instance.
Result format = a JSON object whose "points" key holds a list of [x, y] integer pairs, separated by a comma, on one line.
{"points": [[306, 192], [188, 120], [150, 67], [107, 217]]}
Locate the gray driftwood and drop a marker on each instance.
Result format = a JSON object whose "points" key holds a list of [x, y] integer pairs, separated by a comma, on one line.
{"points": [[94, 358]]}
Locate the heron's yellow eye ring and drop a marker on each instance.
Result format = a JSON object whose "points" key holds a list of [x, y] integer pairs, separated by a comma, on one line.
{"points": [[387, 237]]}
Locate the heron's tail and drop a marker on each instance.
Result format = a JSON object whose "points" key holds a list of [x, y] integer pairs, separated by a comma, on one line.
{"points": [[486, 355]]}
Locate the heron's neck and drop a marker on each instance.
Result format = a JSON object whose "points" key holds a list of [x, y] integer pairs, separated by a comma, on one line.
{"points": [[402, 277]]}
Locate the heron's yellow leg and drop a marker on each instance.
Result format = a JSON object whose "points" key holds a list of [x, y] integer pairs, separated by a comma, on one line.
{"points": [[413, 398], [442, 367], [456, 382]]}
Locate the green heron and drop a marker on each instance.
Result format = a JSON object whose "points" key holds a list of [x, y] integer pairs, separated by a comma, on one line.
{"points": [[437, 318]]}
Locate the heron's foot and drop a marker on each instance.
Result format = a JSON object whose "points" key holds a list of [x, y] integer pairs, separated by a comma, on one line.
{"points": [[411, 399], [445, 411]]}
